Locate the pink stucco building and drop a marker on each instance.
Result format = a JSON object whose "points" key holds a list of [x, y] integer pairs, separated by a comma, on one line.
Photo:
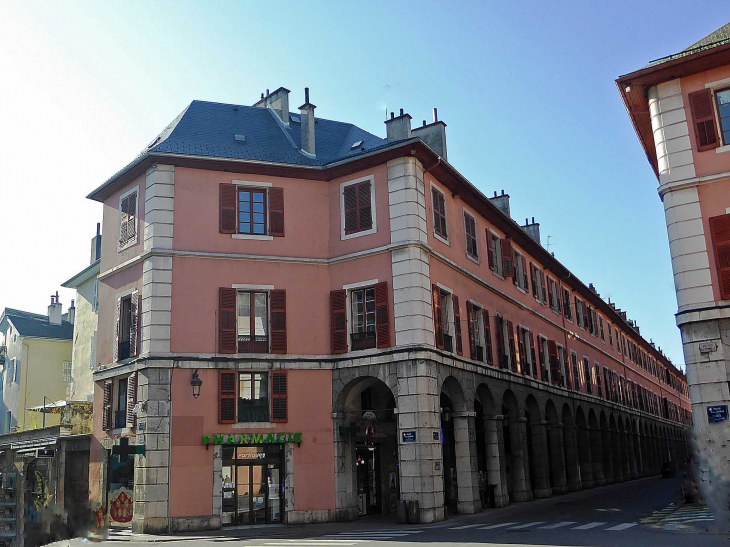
{"points": [[368, 327]]}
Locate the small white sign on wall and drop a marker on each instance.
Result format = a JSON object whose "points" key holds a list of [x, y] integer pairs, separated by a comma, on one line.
{"points": [[708, 347]]}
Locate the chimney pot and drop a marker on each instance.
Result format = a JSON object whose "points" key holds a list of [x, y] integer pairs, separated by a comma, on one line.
{"points": [[392, 115], [502, 192], [401, 111], [435, 115], [533, 220], [424, 123], [267, 92], [262, 95], [306, 95]]}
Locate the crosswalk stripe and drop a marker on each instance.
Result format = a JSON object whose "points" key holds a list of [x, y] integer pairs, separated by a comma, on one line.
{"points": [[623, 526], [589, 526], [465, 527], [528, 525], [557, 525], [493, 526]]}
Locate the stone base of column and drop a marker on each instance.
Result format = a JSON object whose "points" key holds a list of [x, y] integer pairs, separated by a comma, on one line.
{"points": [[541, 493], [435, 514], [501, 500], [468, 507], [558, 490], [150, 525], [522, 496], [577, 487]]}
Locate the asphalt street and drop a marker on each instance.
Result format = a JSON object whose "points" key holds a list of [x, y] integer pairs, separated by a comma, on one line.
{"points": [[643, 513]]}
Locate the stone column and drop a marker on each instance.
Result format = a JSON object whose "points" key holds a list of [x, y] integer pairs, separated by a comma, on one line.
{"points": [[618, 469], [572, 465], [521, 490], [633, 459], [607, 457], [586, 458], [421, 462], [541, 480], [467, 467], [638, 455], [346, 506], [557, 451], [496, 469]]}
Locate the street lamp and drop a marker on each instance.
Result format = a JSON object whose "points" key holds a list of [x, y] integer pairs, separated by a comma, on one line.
{"points": [[196, 382]]}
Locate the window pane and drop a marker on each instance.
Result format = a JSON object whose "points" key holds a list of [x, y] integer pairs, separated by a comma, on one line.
{"points": [[245, 195], [244, 217], [723, 97], [258, 218], [258, 197], [258, 229], [244, 206], [244, 313], [258, 207], [261, 315]]}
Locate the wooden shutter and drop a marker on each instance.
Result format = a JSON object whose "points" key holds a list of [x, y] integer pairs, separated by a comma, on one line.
{"points": [[487, 337], [523, 351], [227, 336], [135, 308], [720, 231], [131, 399], [228, 199], [551, 300], [501, 353], [524, 274], [278, 321], [365, 213], [532, 355], [438, 317], [512, 349], [132, 217], [507, 258], [703, 119], [226, 396], [457, 325], [382, 317], [541, 355], [107, 410], [543, 287], [351, 211], [278, 396], [533, 278], [585, 313], [338, 320], [554, 361], [123, 215], [276, 212], [470, 328], [490, 251], [117, 327]]}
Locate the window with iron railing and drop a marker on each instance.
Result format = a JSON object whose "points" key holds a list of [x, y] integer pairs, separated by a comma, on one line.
{"points": [[362, 304], [253, 397], [253, 322]]}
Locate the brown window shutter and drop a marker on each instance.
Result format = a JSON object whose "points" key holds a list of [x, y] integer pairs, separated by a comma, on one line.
{"points": [[469, 320], [522, 350], [524, 275], [227, 208], [501, 350], [541, 355], [532, 355], [533, 278], [438, 318], [703, 119], [551, 301], [276, 212], [585, 314], [338, 320], [227, 336], [720, 231], [543, 287], [512, 348], [278, 321], [364, 206], [107, 411], [490, 251], [117, 328], [554, 362], [487, 337], [226, 396], [278, 396], [351, 210], [507, 258], [131, 399], [135, 308], [382, 317], [457, 325]]}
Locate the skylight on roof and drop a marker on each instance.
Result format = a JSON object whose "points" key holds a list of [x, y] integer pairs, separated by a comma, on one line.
{"points": [[295, 118], [239, 138], [358, 144]]}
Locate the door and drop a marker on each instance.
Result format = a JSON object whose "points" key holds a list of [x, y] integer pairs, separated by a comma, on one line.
{"points": [[368, 480]]}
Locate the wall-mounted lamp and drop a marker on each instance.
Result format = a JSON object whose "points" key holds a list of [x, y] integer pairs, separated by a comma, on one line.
{"points": [[196, 382]]}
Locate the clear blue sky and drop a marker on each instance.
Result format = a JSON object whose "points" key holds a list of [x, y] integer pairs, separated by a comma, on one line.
{"points": [[526, 88]]}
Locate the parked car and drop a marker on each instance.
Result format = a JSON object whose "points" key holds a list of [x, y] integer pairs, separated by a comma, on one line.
{"points": [[669, 469]]}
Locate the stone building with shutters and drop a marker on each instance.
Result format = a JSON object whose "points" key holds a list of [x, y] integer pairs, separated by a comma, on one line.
{"points": [[301, 321], [680, 108]]}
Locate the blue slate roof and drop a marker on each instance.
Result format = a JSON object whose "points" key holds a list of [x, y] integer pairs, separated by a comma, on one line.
{"points": [[35, 325], [209, 129]]}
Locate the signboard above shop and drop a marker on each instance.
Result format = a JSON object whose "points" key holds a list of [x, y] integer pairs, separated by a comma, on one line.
{"points": [[238, 439]]}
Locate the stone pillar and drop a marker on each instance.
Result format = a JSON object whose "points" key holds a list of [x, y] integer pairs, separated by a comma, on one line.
{"points": [[633, 456], [557, 451], [541, 480], [638, 455], [607, 456], [152, 469], [346, 506], [496, 468], [467, 467], [521, 490], [572, 465], [421, 462], [586, 458], [618, 469]]}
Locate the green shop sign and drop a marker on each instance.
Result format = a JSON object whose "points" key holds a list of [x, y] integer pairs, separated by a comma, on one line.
{"points": [[252, 438]]}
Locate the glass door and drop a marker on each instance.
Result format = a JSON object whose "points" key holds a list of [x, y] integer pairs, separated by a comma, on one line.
{"points": [[229, 494], [259, 488], [243, 494], [275, 486]]}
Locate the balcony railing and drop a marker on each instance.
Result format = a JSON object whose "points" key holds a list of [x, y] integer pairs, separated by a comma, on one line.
{"points": [[253, 344], [256, 410], [362, 340]]}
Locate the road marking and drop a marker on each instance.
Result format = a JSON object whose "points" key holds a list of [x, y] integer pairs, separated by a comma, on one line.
{"points": [[493, 526], [465, 527], [589, 526], [557, 525], [623, 526], [528, 525]]}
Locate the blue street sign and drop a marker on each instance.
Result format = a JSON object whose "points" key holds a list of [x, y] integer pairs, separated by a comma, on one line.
{"points": [[717, 413], [409, 436]]}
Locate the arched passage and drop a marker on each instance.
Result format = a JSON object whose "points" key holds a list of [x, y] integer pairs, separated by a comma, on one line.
{"points": [[515, 445], [453, 423], [585, 456], [607, 445], [570, 450], [537, 449], [494, 493], [599, 476], [618, 471], [556, 450], [624, 448]]}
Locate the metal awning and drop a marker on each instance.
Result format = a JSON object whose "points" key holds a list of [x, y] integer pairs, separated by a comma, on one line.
{"points": [[44, 442], [50, 408]]}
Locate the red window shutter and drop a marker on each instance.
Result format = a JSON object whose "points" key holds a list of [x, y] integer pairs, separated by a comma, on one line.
{"points": [[364, 206], [532, 355], [276, 212], [501, 350], [703, 119], [487, 337], [457, 325], [226, 396], [533, 279], [554, 363], [382, 317], [720, 231], [470, 328], [227, 208], [278, 396], [523, 351], [507, 258], [278, 321], [227, 336], [438, 318], [107, 411], [134, 323], [490, 251], [512, 349], [338, 320], [131, 399], [543, 286], [551, 300]]}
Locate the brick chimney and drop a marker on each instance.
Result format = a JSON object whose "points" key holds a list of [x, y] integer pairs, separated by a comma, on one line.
{"points": [[306, 112], [433, 134], [398, 128], [55, 314]]}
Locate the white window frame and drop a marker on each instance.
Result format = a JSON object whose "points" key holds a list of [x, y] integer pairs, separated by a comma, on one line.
{"points": [[373, 208], [246, 287], [520, 275], [570, 304], [475, 259], [556, 296], [479, 341], [348, 305], [436, 187], [134, 241], [542, 340], [498, 261], [255, 186], [525, 333]]}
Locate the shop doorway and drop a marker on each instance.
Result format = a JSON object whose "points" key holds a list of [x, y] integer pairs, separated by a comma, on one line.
{"points": [[253, 485], [448, 441], [368, 480]]}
